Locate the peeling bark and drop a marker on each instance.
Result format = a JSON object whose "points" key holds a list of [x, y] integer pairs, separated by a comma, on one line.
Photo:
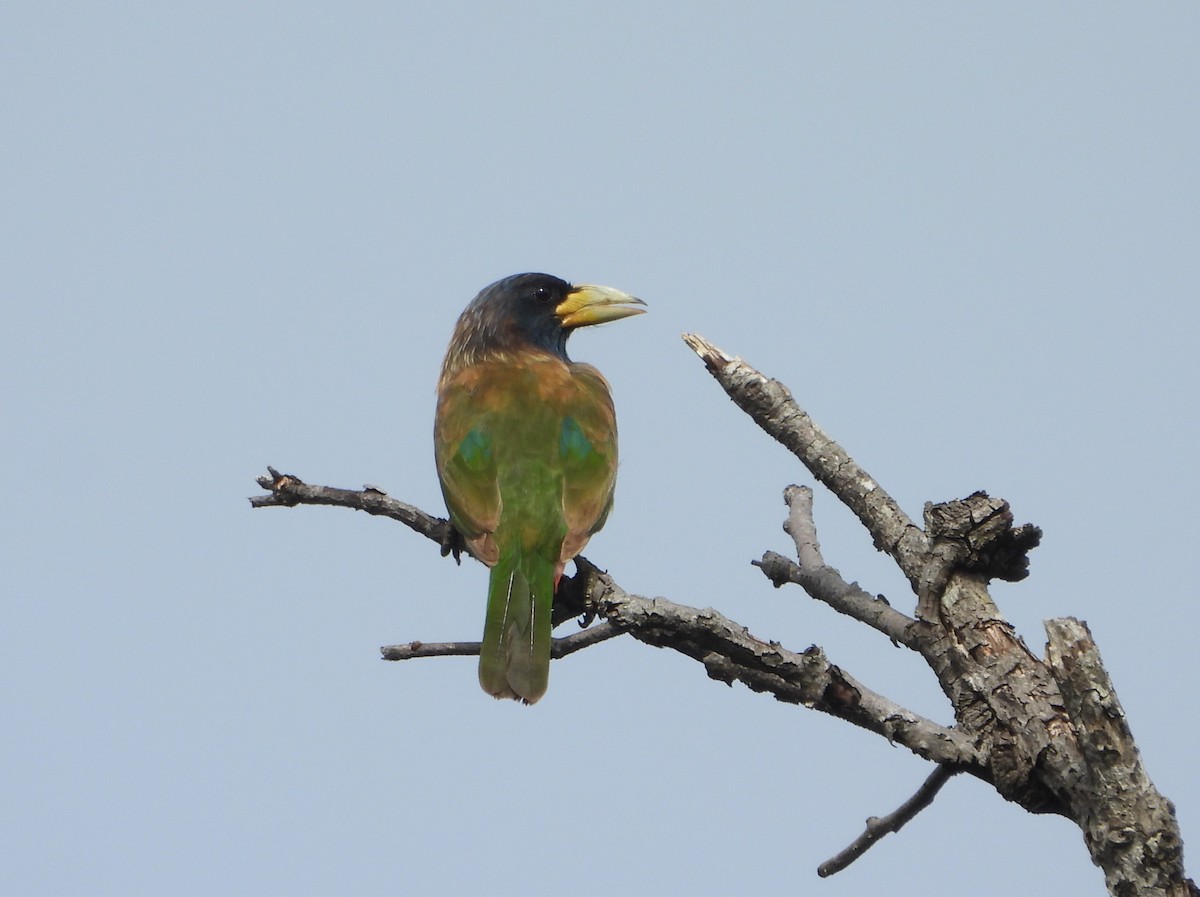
{"points": [[1049, 734]]}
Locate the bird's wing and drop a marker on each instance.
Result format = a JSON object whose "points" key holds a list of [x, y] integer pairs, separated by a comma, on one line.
{"points": [[466, 462], [588, 449]]}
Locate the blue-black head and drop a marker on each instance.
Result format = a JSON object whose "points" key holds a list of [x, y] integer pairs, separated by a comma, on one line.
{"points": [[534, 311]]}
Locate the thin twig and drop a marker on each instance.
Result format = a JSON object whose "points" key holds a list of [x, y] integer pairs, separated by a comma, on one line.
{"points": [[802, 527], [413, 650], [826, 584], [286, 491], [560, 647], [585, 638], [877, 827]]}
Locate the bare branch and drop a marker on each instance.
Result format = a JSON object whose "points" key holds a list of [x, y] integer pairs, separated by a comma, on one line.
{"points": [[1049, 735], [801, 526], [286, 491], [879, 827], [585, 638], [729, 652], [560, 647], [413, 650], [826, 584], [771, 406], [1130, 828]]}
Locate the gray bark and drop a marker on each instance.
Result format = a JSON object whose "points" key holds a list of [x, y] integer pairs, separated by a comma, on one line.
{"points": [[1048, 734]]}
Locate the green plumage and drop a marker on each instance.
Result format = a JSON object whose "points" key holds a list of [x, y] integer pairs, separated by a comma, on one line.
{"points": [[526, 449]]}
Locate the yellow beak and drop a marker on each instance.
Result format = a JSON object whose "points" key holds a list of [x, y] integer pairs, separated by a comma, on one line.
{"points": [[591, 304]]}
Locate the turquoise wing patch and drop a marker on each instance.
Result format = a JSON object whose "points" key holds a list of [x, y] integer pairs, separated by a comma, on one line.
{"points": [[573, 445], [476, 451]]}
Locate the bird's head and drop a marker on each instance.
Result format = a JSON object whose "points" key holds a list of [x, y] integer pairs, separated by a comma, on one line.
{"points": [[533, 311]]}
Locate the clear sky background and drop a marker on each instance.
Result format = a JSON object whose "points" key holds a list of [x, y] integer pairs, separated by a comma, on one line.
{"points": [[239, 234]]}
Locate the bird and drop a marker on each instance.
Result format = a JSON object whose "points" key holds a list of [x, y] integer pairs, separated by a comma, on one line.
{"points": [[525, 442]]}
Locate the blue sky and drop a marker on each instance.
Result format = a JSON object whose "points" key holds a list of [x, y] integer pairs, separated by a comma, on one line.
{"points": [[239, 234]]}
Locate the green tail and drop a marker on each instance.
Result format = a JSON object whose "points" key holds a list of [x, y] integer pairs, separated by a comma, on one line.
{"points": [[514, 661]]}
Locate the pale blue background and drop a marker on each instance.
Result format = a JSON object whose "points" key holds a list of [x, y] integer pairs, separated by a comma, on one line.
{"points": [[239, 233]]}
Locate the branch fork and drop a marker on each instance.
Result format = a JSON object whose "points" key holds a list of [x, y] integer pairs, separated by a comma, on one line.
{"points": [[1048, 734]]}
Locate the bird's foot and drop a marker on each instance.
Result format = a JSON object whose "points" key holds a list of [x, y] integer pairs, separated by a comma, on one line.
{"points": [[453, 542], [571, 597]]}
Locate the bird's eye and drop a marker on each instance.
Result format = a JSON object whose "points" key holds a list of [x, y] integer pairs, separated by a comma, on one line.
{"points": [[543, 294]]}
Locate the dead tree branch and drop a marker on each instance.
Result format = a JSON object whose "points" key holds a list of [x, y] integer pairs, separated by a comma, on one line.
{"points": [[826, 584], [772, 407], [286, 491], [561, 647], [727, 650], [1048, 734], [1035, 724], [1129, 827], [878, 827]]}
